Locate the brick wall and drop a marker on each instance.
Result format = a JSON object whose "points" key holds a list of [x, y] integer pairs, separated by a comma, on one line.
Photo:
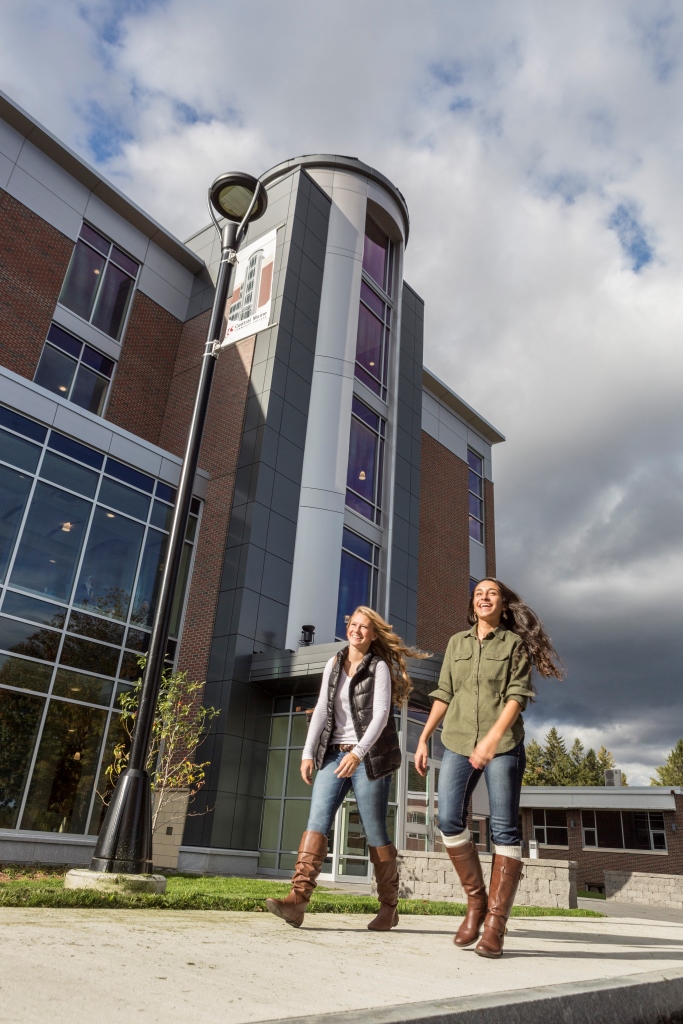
{"points": [[218, 456], [444, 553], [489, 529], [142, 382], [432, 876], [34, 258], [593, 863]]}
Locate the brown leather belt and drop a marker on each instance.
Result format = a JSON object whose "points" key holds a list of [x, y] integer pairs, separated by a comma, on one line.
{"points": [[344, 748]]}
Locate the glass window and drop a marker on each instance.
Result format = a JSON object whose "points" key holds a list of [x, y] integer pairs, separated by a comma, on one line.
{"points": [[73, 370], [372, 346], [24, 674], [36, 611], [129, 475], [79, 686], [63, 776], [476, 495], [116, 734], [149, 579], [51, 542], [550, 827], [20, 716], [109, 564], [366, 453], [22, 638], [99, 282], [80, 653], [124, 498], [75, 450], [377, 255], [357, 578], [21, 425], [68, 474], [610, 835], [14, 492], [96, 628], [18, 452]]}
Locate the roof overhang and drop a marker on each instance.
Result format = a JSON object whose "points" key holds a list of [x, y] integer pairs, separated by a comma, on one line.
{"points": [[460, 407], [49, 144], [604, 798]]}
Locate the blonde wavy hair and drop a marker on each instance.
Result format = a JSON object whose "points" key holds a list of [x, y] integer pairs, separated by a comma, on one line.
{"points": [[388, 646]]}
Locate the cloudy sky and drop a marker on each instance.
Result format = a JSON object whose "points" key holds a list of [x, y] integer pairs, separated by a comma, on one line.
{"points": [[540, 149]]}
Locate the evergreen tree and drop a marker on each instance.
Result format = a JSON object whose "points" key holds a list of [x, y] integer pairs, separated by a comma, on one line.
{"points": [[577, 757], [534, 774], [590, 770], [558, 764], [671, 772]]}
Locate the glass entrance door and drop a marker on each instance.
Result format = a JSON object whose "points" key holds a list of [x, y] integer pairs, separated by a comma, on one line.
{"points": [[422, 808]]}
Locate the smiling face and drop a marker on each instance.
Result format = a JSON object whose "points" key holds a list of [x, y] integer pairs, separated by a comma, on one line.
{"points": [[488, 602], [359, 632]]}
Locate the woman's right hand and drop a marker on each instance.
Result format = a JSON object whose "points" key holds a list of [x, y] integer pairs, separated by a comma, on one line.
{"points": [[421, 757], [307, 770]]}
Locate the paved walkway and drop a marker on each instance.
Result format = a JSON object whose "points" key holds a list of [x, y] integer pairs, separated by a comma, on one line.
{"points": [[616, 909], [189, 967]]}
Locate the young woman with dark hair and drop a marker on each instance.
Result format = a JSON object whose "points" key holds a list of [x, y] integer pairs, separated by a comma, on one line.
{"points": [[353, 743], [484, 686]]}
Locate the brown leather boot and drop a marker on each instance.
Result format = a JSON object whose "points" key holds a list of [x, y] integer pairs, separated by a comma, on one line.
{"points": [[312, 853], [505, 875], [386, 872], [465, 860]]}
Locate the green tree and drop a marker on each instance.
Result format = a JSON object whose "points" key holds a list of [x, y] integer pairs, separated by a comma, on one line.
{"points": [[576, 757], [180, 727], [671, 772], [590, 770], [534, 774], [558, 764]]}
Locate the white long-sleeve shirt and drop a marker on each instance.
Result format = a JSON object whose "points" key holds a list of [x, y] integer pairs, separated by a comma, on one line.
{"points": [[343, 731]]}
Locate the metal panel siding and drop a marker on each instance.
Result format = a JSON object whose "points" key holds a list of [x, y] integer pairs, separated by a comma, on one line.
{"points": [[252, 609], [403, 582]]}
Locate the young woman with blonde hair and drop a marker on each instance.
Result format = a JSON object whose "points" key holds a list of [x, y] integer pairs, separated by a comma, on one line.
{"points": [[484, 686], [353, 743]]}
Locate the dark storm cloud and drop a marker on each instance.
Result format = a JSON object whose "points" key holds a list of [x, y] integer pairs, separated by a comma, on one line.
{"points": [[538, 146]]}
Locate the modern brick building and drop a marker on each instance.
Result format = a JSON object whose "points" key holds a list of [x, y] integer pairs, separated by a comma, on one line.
{"points": [[606, 828], [335, 470]]}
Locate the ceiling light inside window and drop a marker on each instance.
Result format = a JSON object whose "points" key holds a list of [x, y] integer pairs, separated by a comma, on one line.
{"points": [[62, 388], [110, 515], [96, 271], [66, 527], [361, 475]]}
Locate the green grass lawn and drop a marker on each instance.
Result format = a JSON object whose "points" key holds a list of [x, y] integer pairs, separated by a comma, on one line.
{"points": [[586, 895], [43, 888]]}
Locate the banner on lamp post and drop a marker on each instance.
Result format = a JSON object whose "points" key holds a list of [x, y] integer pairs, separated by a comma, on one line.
{"points": [[247, 310]]}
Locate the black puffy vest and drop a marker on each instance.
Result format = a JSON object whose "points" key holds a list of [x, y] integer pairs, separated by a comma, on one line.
{"points": [[384, 757]]}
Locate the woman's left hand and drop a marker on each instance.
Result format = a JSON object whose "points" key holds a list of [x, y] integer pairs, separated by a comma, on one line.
{"points": [[484, 752], [347, 766]]}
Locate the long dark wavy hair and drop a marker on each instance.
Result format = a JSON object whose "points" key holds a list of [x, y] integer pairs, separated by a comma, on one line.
{"points": [[523, 620]]}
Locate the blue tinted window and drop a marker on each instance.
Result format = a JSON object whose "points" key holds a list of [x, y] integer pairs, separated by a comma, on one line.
{"points": [[475, 462], [98, 362], [37, 611], [129, 475], [124, 499], [68, 474], [65, 445], [354, 588], [28, 428], [165, 492], [357, 546], [367, 415], [109, 564], [14, 491], [19, 452], [62, 339]]}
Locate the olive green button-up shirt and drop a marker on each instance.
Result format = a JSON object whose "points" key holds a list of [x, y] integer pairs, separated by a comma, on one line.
{"points": [[476, 681]]}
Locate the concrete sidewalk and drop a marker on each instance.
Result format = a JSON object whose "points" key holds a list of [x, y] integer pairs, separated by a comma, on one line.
{"points": [[189, 967]]}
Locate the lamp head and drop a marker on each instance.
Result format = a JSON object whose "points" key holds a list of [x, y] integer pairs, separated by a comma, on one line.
{"points": [[232, 193]]}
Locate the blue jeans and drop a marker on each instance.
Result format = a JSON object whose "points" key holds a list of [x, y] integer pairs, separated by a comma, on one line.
{"points": [[372, 797], [503, 775]]}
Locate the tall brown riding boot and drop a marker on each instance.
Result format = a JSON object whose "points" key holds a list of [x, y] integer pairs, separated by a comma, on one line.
{"points": [[465, 860], [312, 853], [505, 875], [386, 873]]}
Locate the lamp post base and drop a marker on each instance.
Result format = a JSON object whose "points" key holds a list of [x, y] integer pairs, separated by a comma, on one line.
{"points": [[105, 881], [124, 845]]}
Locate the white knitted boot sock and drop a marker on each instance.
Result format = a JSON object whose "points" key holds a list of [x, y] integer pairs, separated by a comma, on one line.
{"points": [[513, 852], [459, 840]]}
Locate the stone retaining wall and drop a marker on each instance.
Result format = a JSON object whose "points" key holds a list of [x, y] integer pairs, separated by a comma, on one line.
{"points": [[645, 889], [546, 883]]}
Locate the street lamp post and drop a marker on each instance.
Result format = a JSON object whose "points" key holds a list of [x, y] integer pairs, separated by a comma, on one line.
{"points": [[124, 844]]}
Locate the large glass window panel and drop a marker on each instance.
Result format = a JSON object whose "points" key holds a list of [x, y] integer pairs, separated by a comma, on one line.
{"points": [[82, 280], [294, 823], [610, 835], [123, 498], [162, 515], [476, 530], [299, 730], [376, 254], [64, 773], [475, 506], [85, 654], [55, 371], [295, 784], [19, 723], [109, 564], [416, 797], [354, 588], [279, 730], [96, 628], [369, 348], [75, 450], [474, 483], [24, 674], [69, 474], [51, 542], [89, 390], [79, 686], [362, 460], [22, 425], [276, 773], [636, 830], [116, 734], [475, 462], [19, 452], [112, 302], [14, 491], [179, 595], [21, 638], [149, 578], [270, 827]]}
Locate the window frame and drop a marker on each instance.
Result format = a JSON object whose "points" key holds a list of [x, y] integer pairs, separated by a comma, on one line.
{"points": [[379, 433], [373, 565], [103, 275], [471, 518], [652, 831], [535, 828], [79, 361]]}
